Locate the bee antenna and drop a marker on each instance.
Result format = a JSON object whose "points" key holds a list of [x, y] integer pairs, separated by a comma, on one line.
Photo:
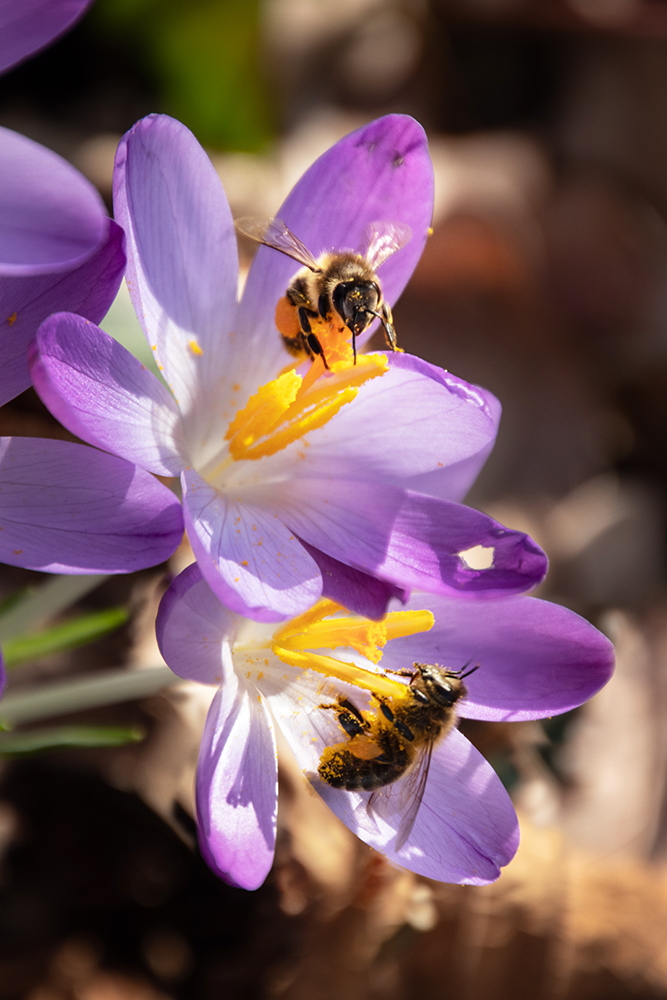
{"points": [[460, 673]]}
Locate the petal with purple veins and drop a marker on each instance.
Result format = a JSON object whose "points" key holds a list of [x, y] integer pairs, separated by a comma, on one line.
{"points": [[249, 558], [535, 658], [182, 263], [405, 426], [194, 630], [405, 538], [103, 394], [237, 786], [67, 508]]}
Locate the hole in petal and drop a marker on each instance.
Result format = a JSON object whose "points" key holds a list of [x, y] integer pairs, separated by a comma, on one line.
{"points": [[478, 557]]}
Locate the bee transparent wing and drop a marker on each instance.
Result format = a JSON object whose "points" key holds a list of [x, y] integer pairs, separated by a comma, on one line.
{"points": [[400, 801], [383, 239], [274, 233]]}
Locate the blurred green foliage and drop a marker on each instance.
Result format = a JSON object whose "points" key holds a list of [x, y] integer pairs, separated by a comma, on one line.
{"points": [[69, 635], [62, 737], [206, 63]]}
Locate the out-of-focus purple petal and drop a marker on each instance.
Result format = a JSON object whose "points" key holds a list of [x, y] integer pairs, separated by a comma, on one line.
{"points": [[535, 658], [103, 394], [380, 173], [194, 630], [51, 217], [67, 508], [26, 301], [252, 562], [357, 591], [29, 25], [405, 538], [3, 676], [407, 425], [465, 830], [237, 786], [182, 263]]}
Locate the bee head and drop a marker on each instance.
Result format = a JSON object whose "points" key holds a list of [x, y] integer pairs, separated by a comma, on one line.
{"points": [[443, 686], [356, 302]]}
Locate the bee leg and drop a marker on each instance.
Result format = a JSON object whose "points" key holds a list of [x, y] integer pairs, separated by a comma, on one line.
{"points": [[387, 321], [305, 316], [316, 348], [399, 726], [349, 717]]}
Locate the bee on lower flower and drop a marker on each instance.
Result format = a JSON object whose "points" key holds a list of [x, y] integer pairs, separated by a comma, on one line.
{"points": [[396, 739]]}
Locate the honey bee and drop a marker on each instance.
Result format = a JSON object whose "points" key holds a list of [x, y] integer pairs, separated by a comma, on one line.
{"points": [[335, 295], [395, 739]]}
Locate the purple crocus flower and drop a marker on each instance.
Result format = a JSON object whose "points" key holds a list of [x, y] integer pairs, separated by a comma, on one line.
{"points": [[26, 26], [535, 659], [289, 490], [58, 250]]}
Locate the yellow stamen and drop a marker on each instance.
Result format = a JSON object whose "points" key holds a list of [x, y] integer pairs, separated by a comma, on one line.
{"points": [[350, 673], [311, 631], [367, 637], [323, 609], [281, 412]]}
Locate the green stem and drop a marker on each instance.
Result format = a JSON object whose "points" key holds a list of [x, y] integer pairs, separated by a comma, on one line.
{"points": [[59, 593], [104, 688]]}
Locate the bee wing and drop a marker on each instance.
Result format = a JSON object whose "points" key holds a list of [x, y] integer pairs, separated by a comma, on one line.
{"points": [[403, 798], [383, 239], [274, 233]]}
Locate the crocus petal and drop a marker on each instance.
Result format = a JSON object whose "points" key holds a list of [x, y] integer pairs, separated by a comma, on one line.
{"points": [[451, 481], [465, 829], [380, 173], [403, 537], [354, 590], [67, 508], [51, 217], [26, 301], [182, 263], [29, 25], [410, 425], [252, 562], [535, 658], [194, 630], [100, 392], [237, 786]]}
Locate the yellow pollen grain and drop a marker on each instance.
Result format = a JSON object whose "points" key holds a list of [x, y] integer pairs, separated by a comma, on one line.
{"points": [[11, 319], [194, 347]]}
